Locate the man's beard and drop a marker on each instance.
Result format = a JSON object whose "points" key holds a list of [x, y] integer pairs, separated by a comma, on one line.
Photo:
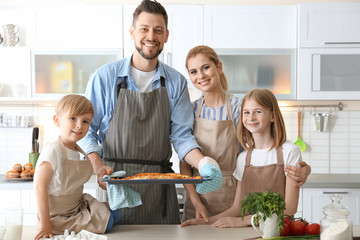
{"points": [[148, 57]]}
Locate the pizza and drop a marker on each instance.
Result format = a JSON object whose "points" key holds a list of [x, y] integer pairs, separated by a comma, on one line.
{"points": [[142, 176]]}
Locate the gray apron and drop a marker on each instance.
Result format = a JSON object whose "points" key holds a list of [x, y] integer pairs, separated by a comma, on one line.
{"points": [[137, 141], [72, 209]]}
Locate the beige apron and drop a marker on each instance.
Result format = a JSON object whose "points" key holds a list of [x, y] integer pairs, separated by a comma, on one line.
{"points": [[72, 209], [259, 179], [138, 141], [218, 140]]}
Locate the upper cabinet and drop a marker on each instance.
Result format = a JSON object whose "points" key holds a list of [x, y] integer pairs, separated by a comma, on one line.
{"points": [[329, 25], [329, 51], [78, 26], [241, 26]]}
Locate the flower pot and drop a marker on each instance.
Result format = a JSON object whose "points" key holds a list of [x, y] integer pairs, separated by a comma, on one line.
{"points": [[267, 228]]}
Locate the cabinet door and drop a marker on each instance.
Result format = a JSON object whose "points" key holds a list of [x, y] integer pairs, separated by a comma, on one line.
{"points": [[314, 199], [329, 25], [185, 32], [329, 74], [15, 76], [253, 26], [79, 26]]}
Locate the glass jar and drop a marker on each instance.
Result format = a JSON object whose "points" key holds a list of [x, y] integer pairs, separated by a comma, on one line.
{"points": [[336, 225]]}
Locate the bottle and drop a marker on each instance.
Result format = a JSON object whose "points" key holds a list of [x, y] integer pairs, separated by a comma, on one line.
{"points": [[336, 225]]}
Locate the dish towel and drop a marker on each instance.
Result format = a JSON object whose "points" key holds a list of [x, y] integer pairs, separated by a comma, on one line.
{"points": [[120, 195]]}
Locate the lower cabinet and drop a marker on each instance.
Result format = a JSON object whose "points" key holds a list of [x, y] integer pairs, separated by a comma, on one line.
{"points": [[315, 199]]}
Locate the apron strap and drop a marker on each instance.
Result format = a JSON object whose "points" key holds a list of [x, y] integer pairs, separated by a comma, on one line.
{"points": [[121, 85], [248, 158], [279, 156], [228, 105]]}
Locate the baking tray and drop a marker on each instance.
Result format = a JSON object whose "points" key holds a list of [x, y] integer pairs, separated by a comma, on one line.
{"points": [[156, 181]]}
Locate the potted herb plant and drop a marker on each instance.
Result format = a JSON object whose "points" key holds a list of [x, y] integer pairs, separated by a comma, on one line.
{"points": [[267, 209]]}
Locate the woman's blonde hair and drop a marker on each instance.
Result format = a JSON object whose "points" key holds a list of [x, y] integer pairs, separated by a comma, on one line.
{"points": [[77, 104], [212, 55], [267, 100]]}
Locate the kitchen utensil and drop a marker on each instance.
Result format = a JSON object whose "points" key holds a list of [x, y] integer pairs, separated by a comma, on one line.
{"points": [[321, 121], [298, 141], [35, 140], [33, 157]]}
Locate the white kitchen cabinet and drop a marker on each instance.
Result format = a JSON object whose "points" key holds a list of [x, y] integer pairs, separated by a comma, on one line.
{"points": [[314, 199], [329, 74], [78, 26], [329, 25], [255, 26], [185, 24]]}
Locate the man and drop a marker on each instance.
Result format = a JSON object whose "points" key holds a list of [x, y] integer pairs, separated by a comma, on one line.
{"points": [[140, 105]]}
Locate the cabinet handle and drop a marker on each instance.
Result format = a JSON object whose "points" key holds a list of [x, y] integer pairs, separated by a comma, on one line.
{"points": [[329, 43], [335, 192]]}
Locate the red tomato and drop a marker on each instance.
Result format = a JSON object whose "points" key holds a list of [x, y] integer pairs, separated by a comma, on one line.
{"points": [[287, 221], [286, 230], [297, 228], [312, 229]]}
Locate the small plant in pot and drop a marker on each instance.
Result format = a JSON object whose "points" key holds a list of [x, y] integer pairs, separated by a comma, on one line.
{"points": [[267, 209]]}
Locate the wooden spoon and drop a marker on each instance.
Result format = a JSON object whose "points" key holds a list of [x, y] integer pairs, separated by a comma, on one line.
{"points": [[298, 141]]}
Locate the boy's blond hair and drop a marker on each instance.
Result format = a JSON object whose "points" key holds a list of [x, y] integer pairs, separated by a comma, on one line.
{"points": [[76, 104], [266, 99]]}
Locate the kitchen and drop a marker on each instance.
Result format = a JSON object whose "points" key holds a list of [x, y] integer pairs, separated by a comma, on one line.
{"points": [[332, 153]]}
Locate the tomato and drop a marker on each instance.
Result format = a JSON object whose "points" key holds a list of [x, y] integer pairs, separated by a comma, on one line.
{"points": [[286, 230], [297, 228], [312, 229], [287, 221]]}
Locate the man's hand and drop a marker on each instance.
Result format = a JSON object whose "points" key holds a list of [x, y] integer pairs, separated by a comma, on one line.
{"points": [[193, 222], [104, 170], [208, 167], [229, 222], [298, 174]]}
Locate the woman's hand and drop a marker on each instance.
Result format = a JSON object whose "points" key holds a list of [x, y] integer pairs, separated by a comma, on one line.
{"points": [[298, 174], [201, 212], [193, 222], [229, 222]]}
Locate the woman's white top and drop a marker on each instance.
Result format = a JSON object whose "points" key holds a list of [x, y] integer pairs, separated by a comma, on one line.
{"points": [[263, 157], [51, 153]]}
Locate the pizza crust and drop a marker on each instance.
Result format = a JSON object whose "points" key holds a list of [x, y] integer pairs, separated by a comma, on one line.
{"points": [[142, 176]]}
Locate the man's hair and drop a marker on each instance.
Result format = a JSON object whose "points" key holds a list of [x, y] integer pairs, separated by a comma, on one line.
{"points": [[150, 6], [77, 104]]}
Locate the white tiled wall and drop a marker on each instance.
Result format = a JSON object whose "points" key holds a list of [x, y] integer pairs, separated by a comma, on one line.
{"points": [[334, 151]]}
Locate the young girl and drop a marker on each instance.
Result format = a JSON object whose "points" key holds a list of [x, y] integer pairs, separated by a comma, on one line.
{"points": [[216, 115], [60, 175], [260, 167]]}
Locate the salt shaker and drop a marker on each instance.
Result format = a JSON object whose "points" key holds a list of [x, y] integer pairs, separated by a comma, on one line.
{"points": [[336, 225]]}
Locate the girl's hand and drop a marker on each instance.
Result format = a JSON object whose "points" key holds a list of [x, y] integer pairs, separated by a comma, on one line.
{"points": [[201, 212], [229, 222], [193, 222]]}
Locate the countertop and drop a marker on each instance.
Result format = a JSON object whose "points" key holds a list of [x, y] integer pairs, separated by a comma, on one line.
{"points": [[313, 181], [173, 232]]}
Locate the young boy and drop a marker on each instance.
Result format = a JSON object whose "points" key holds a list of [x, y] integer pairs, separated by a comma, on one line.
{"points": [[60, 176]]}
